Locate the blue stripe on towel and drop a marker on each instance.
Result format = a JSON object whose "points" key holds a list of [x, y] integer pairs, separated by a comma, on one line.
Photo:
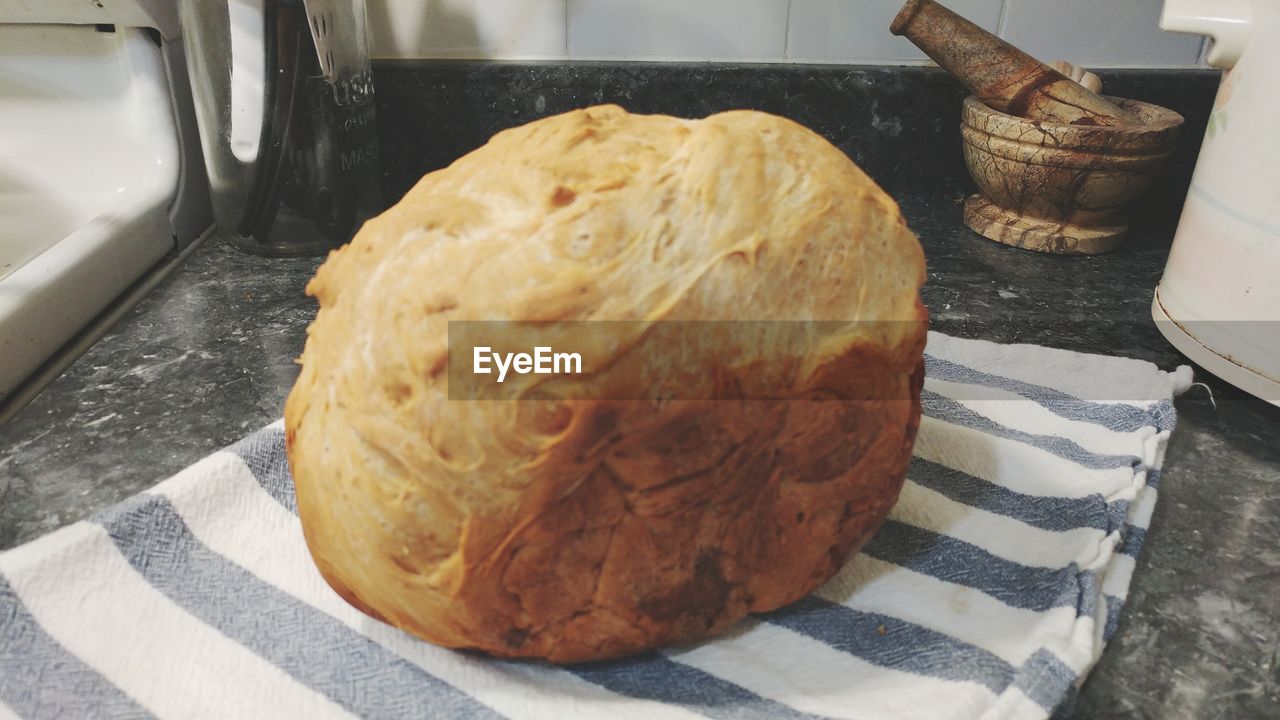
{"points": [[1163, 415], [1116, 514], [1119, 417], [1045, 679], [944, 408], [1056, 514], [653, 676], [1131, 539], [961, 563], [313, 647], [892, 643], [264, 454], [1114, 605], [39, 678]]}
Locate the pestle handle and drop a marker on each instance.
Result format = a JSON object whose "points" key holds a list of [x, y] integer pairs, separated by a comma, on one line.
{"points": [[1002, 76]]}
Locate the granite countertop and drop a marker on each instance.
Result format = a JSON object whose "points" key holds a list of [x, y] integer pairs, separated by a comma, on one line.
{"points": [[208, 357]]}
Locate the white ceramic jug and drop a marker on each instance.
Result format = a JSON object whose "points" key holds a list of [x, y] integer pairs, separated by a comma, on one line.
{"points": [[1219, 299]]}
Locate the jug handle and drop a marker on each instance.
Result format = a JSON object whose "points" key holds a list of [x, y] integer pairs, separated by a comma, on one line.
{"points": [[1228, 22]]}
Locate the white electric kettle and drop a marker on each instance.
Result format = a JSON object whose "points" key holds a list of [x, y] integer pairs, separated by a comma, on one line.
{"points": [[1219, 299]]}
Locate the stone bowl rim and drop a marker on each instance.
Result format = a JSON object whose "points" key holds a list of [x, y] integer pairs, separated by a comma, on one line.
{"points": [[1168, 123]]}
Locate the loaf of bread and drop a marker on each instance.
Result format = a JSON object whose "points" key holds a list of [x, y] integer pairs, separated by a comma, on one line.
{"points": [[576, 524]]}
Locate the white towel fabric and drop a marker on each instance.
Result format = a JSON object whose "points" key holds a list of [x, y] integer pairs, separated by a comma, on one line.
{"points": [[989, 593]]}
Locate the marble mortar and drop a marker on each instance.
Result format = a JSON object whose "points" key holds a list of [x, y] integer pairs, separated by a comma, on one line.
{"points": [[1058, 187]]}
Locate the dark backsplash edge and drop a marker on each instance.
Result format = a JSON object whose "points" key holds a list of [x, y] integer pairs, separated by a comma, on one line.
{"points": [[900, 124]]}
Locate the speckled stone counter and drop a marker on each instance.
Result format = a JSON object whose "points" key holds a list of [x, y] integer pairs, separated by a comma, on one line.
{"points": [[208, 357]]}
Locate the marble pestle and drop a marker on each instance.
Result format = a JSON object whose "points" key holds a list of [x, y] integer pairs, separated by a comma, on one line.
{"points": [[999, 74]]}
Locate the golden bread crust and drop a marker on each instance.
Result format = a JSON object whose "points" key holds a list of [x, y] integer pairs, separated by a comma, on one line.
{"points": [[587, 528]]}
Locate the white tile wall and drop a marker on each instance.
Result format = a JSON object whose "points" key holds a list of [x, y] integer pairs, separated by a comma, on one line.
{"points": [[858, 30], [499, 29], [1096, 33], [678, 29], [1104, 33]]}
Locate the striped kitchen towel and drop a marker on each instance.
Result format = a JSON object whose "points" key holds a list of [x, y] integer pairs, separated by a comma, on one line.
{"points": [[990, 592]]}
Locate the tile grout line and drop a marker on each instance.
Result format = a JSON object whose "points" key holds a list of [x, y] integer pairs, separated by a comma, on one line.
{"points": [[786, 34], [1004, 7], [566, 29]]}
